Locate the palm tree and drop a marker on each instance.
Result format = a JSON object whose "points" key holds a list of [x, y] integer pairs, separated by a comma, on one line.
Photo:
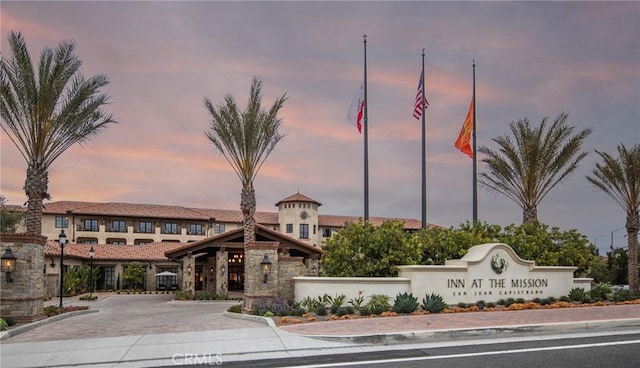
{"points": [[46, 112], [245, 139], [619, 178], [527, 169]]}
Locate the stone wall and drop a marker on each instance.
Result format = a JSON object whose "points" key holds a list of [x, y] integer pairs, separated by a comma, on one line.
{"points": [[22, 299], [288, 268], [255, 286]]}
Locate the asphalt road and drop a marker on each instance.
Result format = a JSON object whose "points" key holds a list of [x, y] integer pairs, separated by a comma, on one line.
{"points": [[619, 350]]}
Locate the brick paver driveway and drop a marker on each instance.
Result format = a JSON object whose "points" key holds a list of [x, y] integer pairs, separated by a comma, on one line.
{"points": [[121, 315]]}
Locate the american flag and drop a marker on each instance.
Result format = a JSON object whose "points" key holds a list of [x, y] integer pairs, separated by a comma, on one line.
{"points": [[417, 111]]}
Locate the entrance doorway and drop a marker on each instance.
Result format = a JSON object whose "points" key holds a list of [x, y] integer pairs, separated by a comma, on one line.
{"points": [[236, 271]]}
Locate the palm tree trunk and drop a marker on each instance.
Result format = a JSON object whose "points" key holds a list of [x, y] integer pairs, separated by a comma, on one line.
{"points": [[248, 207], [529, 214], [36, 188], [633, 225]]}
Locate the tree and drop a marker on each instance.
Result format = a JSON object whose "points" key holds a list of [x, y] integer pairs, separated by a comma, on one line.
{"points": [[245, 139], [619, 178], [9, 220], [46, 112], [527, 169], [134, 275], [362, 249]]}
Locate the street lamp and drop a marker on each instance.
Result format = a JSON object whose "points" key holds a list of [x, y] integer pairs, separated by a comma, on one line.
{"points": [[613, 231], [91, 273], [62, 239]]}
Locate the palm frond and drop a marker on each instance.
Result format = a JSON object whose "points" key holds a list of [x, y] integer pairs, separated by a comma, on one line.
{"points": [[525, 168], [245, 138]]}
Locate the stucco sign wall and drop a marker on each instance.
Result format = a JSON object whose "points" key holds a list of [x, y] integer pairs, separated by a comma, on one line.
{"points": [[489, 272]]}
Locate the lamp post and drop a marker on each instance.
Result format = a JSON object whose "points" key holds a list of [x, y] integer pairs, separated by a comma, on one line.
{"points": [[91, 273], [62, 239], [613, 231], [8, 264]]}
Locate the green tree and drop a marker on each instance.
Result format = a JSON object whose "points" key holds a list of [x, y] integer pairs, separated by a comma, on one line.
{"points": [[526, 168], [619, 178], [362, 249], [46, 112], [531, 241], [134, 275], [618, 266], [9, 220], [245, 139]]}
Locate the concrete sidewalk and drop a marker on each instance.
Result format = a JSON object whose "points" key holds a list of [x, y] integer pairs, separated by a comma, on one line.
{"points": [[266, 341]]}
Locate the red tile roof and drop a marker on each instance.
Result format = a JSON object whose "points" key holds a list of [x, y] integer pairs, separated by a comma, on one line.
{"points": [[147, 252], [298, 198], [204, 214], [124, 209]]}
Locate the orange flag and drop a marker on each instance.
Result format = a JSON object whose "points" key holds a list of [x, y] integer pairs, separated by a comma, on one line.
{"points": [[464, 139]]}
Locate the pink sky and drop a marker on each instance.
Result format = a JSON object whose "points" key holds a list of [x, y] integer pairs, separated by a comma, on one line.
{"points": [[534, 60]]}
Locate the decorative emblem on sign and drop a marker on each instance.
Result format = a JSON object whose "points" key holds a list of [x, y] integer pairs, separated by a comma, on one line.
{"points": [[499, 264]]}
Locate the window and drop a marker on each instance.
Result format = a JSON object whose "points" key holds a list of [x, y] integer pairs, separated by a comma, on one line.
{"points": [[142, 241], [119, 226], [108, 278], [62, 222], [326, 232], [117, 241], [144, 227], [289, 228], [304, 231], [218, 228], [314, 229], [195, 229], [90, 225], [89, 241], [170, 228]]}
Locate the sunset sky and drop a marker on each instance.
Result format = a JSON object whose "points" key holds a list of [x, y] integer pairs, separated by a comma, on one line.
{"points": [[534, 60]]}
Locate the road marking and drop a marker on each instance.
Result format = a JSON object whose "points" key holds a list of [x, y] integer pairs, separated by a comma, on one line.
{"points": [[468, 355]]}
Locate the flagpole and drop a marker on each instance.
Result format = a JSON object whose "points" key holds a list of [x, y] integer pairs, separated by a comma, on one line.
{"points": [[475, 156], [424, 147], [366, 136]]}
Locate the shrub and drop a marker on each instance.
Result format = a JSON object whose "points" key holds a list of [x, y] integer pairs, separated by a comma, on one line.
{"points": [[481, 304], [378, 303], [565, 299], [405, 303], [235, 309], [364, 311], [490, 305], [205, 295], [520, 301], [357, 301], [278, 306], [461, 305], [509, 301], [433, 303], [181, 295], [321, 310], [312, 304], [342, 311], [88, 297], [296, 311], [501, 302], [536, 300], [335, 302], [3, 324], [622, 295], [268, 314], [552, 299], [601, 292]]}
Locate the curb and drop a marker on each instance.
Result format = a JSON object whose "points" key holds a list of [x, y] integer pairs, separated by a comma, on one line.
{"points": [[250, 317], [24, 328], [481, 332]]}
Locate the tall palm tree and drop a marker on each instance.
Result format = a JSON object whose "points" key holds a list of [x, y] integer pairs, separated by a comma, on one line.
{"points": [[619, 178], [245, 139], [44, 112], [527, 169]]}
